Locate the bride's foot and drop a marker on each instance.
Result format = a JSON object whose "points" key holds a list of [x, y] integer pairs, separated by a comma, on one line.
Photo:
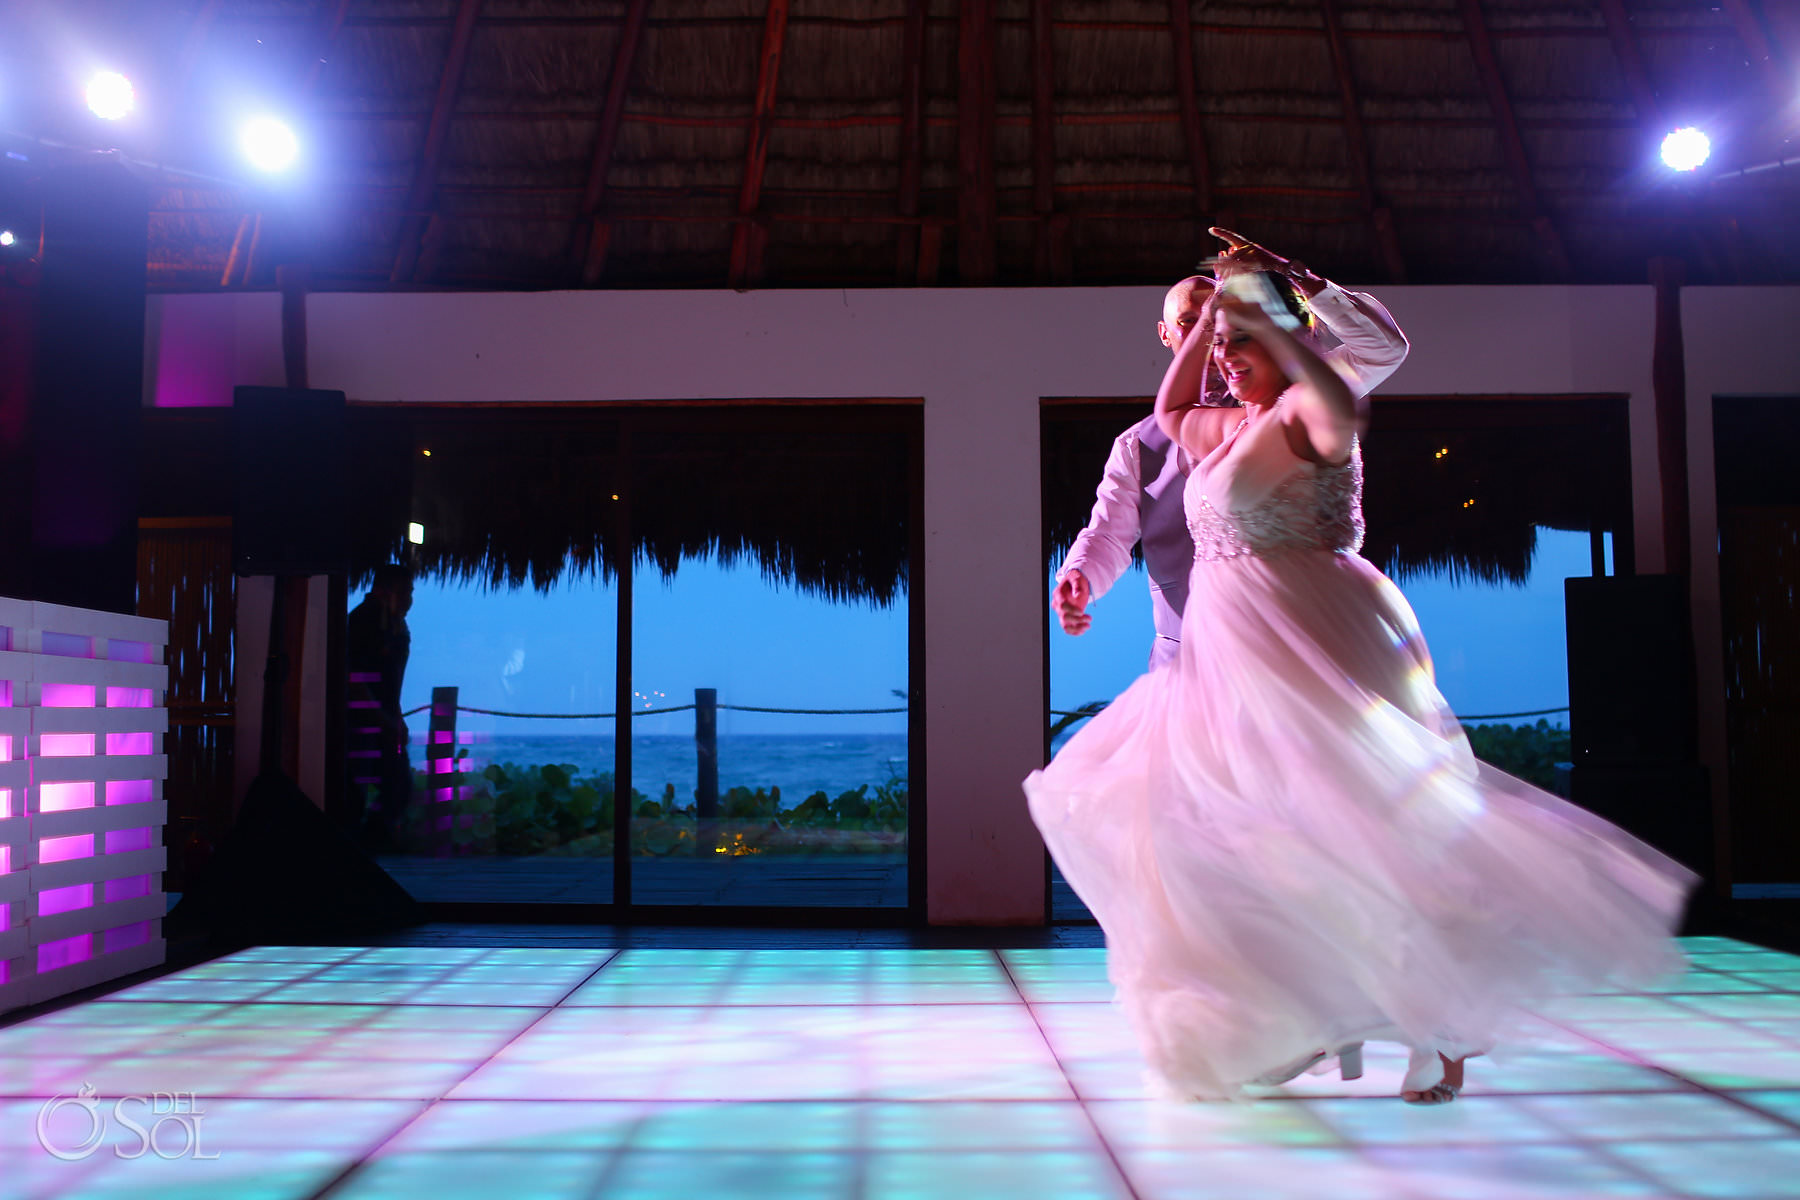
{"points": [[1431, 1078], [1349, 1060]]}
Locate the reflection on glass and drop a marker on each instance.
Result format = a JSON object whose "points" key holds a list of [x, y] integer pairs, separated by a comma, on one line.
{"points": [[804, 805], [520, 808]]}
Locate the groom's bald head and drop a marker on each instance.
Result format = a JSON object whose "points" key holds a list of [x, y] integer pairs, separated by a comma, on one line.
{"points": [[1181, 310]]}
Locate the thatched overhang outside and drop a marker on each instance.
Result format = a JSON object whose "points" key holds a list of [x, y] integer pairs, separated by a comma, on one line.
{"points": [[700, 143], [1453, 484], [819, 497]]}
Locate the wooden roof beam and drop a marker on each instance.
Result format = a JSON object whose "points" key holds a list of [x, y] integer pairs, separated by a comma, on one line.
{"points": [[1381, 218], [443, 108], [329, 29], [749, 236], [1055, 262], [1761, 45], [978, 201], [1181, 31], [1631, 63], [587, 245], [1512, 146], [909, 260]]}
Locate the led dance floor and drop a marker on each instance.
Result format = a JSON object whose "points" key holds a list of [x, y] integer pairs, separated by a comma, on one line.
{"points": [[446, 1072]]}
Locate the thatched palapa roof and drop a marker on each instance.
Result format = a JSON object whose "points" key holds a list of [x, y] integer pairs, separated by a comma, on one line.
{"points": [[678, 143]]}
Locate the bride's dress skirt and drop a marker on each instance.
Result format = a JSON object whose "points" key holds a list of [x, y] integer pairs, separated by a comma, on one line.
{"points": [[1289, 844]]}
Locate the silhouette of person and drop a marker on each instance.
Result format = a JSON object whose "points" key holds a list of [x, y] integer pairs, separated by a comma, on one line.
{"points": [[378, 644]]}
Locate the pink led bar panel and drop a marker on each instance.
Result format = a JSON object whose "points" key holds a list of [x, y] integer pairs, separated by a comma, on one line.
{"points": [[65, 952], [130, 791], [131, 743], [65, 899], [64, 797], [124, 841], [66, 849], [68, 695], [124, 697], [65, 745]]}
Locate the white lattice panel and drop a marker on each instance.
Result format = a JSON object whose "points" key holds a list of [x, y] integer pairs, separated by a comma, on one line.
{"points": [[82, 706]]}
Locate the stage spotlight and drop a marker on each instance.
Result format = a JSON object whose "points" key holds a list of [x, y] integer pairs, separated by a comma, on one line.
{"points": [[109, 95], [268, 144], [1686, 148], [6, 237]]}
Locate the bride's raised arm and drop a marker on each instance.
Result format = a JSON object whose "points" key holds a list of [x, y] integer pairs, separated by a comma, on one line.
{"points": [[1332, 415]]}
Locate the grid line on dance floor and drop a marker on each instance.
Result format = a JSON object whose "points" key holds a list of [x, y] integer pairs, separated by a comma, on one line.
{"points": [[868, 1072]]}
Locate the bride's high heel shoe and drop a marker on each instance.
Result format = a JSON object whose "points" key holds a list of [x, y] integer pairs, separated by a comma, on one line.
{"points": [[1424, 1082], [1349, 1059]]}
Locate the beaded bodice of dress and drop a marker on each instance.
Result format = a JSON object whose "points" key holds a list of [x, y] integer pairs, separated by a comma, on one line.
{"points": [[1317, 507]]}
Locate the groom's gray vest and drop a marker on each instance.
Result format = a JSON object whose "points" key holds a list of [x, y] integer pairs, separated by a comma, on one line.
{"points": [[1163, 531]]}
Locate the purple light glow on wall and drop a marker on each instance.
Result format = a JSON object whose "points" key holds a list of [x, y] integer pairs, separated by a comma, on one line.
{"points": [[65, 745], [124, 937], [5, 692], [68, 695], [124, 697], [65, 797], [66, 849], [68, 645], [65, 899], [133, 652], [124, 841], [5, 924], [129, 888], [129, 791], [131, 743], [65, 952], [5, 747], [5, 813], [5, 860]]}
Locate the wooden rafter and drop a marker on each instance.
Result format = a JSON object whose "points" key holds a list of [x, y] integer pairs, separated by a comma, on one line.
{"points": [[588, 245], [1381, 219], [329, 28], [437, 130], [1054, 260], [1631, 62], [1761, 46], [749, 236], [1181, 32], [978, 205], [910, 259], [1511, 144], [241, 262]]}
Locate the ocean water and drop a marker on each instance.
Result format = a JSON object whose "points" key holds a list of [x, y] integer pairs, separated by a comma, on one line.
{"points": [[798, 763]]}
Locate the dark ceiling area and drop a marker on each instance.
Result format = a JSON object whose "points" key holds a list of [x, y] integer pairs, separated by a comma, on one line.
{"points": [[528, 144]]}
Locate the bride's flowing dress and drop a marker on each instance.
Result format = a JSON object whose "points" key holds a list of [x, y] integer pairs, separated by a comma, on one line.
{"points": [[1284, 834]]}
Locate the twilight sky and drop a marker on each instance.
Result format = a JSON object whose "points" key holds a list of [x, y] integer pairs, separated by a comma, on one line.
{"points": [[1497, 649]]}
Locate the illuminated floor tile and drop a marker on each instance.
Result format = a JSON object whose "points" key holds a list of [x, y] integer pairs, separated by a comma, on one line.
{"points": [[479, 1175], [453, 1071], [658, 1175], [1044, 1175], [1721, 1168], [1508, 1173]]}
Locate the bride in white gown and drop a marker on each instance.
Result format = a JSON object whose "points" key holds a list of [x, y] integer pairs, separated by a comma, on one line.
{"points": [[1284, 834]]}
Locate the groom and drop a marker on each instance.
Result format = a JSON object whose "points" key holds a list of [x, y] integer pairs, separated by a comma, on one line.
{"points": [[1139, 497]]}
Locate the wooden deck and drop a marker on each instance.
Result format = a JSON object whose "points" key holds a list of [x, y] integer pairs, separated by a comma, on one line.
{"points": [[821, 881]]}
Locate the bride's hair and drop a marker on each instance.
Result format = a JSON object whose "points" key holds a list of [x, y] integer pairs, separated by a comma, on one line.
{"points": [[1213, 391]]}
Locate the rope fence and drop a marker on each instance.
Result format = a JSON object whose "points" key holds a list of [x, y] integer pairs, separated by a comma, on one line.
{"points": [[1465, 718]]}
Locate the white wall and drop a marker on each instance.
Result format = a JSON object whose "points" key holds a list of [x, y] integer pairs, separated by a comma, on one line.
{"points": [[980, 360]]}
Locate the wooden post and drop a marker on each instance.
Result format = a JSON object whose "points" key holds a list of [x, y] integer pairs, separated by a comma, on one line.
{"points": [[706, 754], [441, 771], [1668, 381]]}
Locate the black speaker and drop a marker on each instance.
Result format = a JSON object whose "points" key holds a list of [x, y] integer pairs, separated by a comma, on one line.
{"points": [[1668, 806], [290, 506], [286, 873], [1631, 673]]}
